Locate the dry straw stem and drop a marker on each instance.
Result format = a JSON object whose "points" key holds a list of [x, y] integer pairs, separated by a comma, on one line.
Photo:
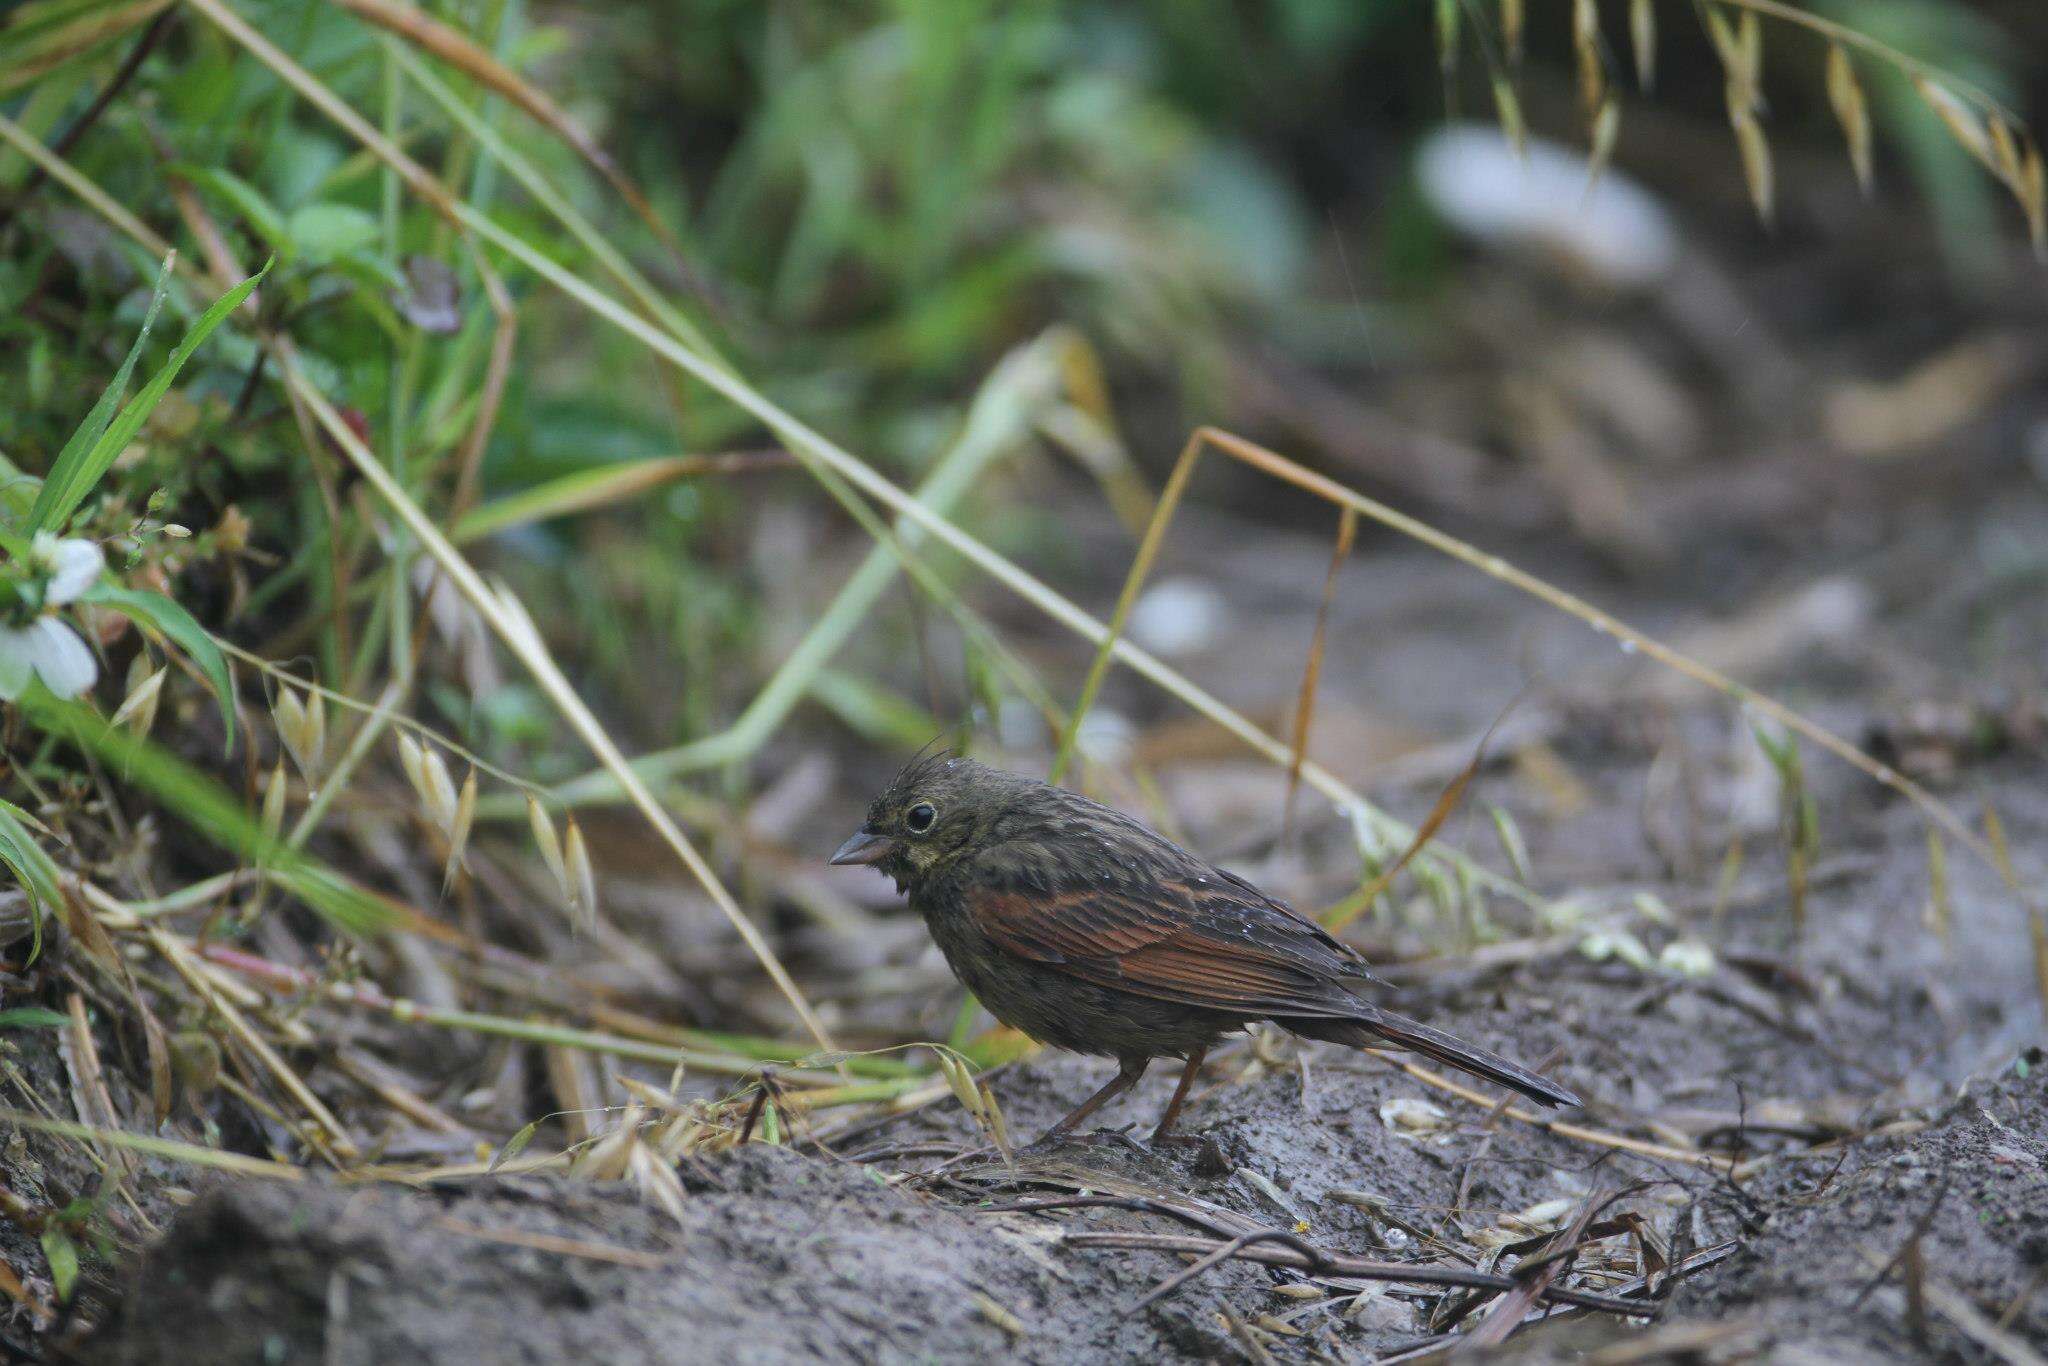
{"points": [[1576, 1132], [1312, 672], [169, 1149]]}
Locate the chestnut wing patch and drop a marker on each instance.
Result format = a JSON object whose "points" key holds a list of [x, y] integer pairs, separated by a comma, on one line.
{"points": [[1210, 945]]}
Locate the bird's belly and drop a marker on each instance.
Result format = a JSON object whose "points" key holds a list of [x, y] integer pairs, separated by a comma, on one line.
{"points": [[1056, 1008]]}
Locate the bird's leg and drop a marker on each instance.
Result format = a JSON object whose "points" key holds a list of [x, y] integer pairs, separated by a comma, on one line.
{"points": [[1180, 1095], [1127, 1073]]}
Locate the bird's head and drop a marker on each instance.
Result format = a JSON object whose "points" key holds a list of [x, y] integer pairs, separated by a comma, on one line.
{"points": [[938, 811]]}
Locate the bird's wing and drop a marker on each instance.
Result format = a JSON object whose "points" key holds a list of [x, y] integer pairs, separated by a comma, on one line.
{"points": [[1209, 940]]}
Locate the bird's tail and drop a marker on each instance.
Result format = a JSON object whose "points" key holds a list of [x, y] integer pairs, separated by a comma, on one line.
{"points": [[1383, 1027]]}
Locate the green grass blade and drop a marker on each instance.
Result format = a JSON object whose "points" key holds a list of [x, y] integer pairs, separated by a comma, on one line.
{"points": [[32, 868], [80, 466], [89, 432]]}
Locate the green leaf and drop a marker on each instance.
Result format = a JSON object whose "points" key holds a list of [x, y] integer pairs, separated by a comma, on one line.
{"points": [[258, 212], [89, 432], [63, 1255], [32, 1017], [32, 868], [79, 467], [325, 232], [162, 614]]}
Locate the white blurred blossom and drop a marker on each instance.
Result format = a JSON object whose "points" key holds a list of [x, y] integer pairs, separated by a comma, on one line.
{"points": [[45, 647], [73, 566], [1546, 196]]}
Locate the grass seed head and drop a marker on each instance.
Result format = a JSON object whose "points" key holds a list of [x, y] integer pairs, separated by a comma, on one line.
{"points": [[439, 793], [1852, 111], [550, 846], [302, 727], [274, 797], [582, 879], [458, 830], [1586, 47], [138, 709]]}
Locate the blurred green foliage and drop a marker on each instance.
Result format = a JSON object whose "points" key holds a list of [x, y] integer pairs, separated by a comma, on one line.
{"points": [[869, 203]]}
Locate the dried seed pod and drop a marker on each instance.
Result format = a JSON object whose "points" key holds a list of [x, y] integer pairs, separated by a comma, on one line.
{"points": [[1852, 111], [440, 791], [1606, 132], [458, 830], [1960, 120], [412, 759], [576, 855], [1642, 32], [550, 846], [1756, 156], [961, 1083], [998, 1127], [1586, 46], [2033, 195], [274, 797], [138, 709], [302, 728]]}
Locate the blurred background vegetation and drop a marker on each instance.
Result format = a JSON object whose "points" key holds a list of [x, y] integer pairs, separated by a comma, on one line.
{"points": [[862, 207]]}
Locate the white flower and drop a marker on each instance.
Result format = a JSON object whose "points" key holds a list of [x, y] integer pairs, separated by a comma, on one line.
{"points": [[49, 648], [73, 565]]}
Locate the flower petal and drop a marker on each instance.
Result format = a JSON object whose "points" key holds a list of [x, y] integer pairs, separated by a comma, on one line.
{"points": [[14, 662], [60, 657], [75, 566]]}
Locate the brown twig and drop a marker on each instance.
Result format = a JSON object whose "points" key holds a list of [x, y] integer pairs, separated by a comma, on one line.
{"points": [[1304, 1256]]}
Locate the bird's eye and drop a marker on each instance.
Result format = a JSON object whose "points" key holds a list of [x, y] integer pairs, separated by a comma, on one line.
{"points": [[920, 817]]}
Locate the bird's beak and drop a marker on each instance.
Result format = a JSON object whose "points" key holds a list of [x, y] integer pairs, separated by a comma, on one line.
{"points": [[865, 847]]}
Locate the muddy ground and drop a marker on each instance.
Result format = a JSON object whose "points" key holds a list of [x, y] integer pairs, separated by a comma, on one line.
{"points": [[1872, 1077]]}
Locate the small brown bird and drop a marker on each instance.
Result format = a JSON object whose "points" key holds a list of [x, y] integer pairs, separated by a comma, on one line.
{"points": [[1087, 931]]}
